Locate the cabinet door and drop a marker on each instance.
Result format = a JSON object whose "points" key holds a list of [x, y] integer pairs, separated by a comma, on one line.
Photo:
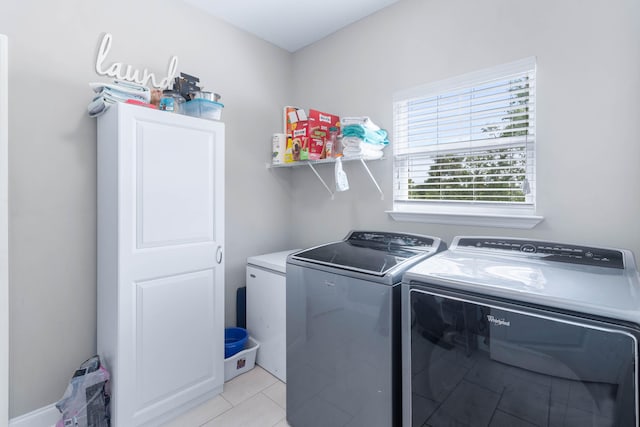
{"points": [[171, 274]]}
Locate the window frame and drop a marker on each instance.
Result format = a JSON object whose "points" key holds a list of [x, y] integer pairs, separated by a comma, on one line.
{"points": [[482, 213]]}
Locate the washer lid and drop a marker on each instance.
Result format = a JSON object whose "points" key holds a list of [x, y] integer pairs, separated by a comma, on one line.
{"points": [[611, 291], [370, 252], [276, 261]]}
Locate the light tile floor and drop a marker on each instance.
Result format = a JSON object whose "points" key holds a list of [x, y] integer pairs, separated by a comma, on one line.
{"points": [[253, 399]]}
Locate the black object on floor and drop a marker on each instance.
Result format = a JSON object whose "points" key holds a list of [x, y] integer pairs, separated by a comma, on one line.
{"points": [[241, 307]]}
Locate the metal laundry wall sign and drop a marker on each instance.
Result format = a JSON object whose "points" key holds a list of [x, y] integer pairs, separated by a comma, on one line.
{"points": [[128, 73]]}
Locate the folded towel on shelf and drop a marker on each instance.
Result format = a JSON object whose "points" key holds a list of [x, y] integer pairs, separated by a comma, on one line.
{"points": [[352, 150], [360, 120], [363, 151], [352, 141], [373, 155], [365, 134]]}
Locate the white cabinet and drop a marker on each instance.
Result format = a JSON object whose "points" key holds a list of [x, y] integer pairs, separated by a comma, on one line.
{"points": [[160, 261]]}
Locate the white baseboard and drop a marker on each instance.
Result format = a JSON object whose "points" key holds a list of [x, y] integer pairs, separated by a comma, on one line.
{"points": [[43, 417]]}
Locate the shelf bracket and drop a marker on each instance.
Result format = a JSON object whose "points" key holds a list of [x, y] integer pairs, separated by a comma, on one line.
{"points": [[364, 164], [322, 180]]}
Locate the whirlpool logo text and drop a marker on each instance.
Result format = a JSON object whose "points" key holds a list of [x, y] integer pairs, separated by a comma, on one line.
{"points": [[498, 322]]}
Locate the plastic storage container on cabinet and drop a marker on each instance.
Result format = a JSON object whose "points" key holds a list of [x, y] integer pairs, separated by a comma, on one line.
{"points": [[266, 309], [203, 108]]}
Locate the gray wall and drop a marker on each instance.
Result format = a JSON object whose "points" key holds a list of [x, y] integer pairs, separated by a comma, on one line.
{"points": [[588, 82], [587, 108], [52, 162]]}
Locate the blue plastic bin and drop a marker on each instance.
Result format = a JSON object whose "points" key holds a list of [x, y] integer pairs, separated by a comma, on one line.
{"points": [[234, 341]]}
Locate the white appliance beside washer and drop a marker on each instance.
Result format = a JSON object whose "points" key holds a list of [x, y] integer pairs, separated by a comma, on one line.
{"points": [[266, 309], [504, 331]]}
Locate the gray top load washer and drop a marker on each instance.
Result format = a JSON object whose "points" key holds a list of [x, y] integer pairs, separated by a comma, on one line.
{"points": [[521, 332], [343, 328]]}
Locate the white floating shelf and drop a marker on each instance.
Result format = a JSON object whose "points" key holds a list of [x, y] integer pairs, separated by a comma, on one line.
{"points": [[312, 163]]}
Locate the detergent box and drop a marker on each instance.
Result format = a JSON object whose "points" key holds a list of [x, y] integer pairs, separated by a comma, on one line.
{"points": [[300, 141], [295, 131], [307, 134], [319, 124]]}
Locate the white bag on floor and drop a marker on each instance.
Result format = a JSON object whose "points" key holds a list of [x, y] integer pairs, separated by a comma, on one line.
{"points": [[85, 402]]}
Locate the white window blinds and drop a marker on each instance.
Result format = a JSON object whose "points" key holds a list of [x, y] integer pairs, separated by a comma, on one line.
{"points": [[466, 140]]}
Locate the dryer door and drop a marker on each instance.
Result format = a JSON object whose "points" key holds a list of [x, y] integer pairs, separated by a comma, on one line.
{"points": [[474, 361]]}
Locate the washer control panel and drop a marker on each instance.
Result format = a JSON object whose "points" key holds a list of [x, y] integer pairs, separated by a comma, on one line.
{"points": [[550, 251], [399, 239]]}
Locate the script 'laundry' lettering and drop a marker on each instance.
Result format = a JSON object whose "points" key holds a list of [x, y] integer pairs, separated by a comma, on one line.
{"points": [[129, 73]]}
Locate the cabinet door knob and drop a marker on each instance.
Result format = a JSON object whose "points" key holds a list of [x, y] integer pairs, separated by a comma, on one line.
{"points": [[253, 276], [219, 255]]}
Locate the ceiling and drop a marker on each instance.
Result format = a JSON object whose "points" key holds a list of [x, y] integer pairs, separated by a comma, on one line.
{"points": [[291, 24]]}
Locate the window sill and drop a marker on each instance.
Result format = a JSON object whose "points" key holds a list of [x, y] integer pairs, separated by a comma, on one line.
{"points": [[478, 219]]}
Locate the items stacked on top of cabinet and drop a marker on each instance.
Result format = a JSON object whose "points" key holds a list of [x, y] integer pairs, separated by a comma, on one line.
{"points": [[183, 96], [318, 135]]}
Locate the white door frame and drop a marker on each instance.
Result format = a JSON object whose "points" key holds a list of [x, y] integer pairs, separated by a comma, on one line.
{"points": [[4, 234]]}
